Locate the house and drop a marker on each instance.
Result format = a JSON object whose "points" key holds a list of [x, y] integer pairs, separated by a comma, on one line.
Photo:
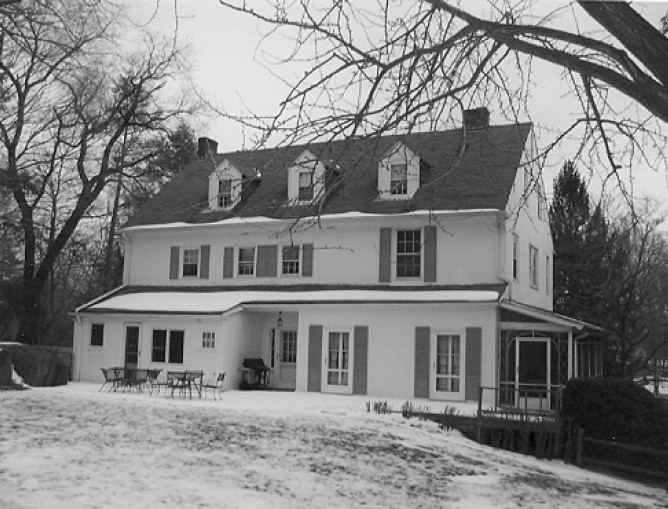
{"points": [[416, 266]]}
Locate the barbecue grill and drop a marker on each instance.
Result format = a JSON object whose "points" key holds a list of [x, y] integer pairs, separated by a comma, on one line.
{"points": [[254, 374]]}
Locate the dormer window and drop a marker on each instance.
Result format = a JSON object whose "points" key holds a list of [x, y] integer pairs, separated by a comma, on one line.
{"points": [[398, 179], [225, 194], [399, 173], [225, 184], [306, 179], [305, 186]]}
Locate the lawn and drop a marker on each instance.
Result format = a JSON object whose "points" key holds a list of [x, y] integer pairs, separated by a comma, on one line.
{"points": [[72, 447]]}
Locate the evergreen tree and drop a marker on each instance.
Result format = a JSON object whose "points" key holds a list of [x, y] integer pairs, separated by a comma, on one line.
{"points": [[569, 222]]}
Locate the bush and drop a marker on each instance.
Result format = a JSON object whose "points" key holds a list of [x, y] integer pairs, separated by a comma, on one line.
{"points": [[617, 410]]}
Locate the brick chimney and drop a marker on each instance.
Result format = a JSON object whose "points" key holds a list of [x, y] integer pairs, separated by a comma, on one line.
{"points": [[206, 147], [477, 118]]}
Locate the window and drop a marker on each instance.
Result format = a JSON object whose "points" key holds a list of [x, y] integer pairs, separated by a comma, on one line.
{"points": [[305, 186], [225, 193], [409, 247], [448, 362], [208, 340], [289, 346], [190, 262], [547, 274], [170, 350], [290, 260], [533, 266], [399, 179], [516, 255], [246, 261], [590, 359], [97, 334]]}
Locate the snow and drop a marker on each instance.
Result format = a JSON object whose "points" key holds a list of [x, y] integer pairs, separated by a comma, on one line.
{"points": [[72, 446], [342, 215], [220, 302]]}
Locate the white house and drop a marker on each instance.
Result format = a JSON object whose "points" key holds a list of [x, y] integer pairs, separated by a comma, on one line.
{"points": [[416, 266]]}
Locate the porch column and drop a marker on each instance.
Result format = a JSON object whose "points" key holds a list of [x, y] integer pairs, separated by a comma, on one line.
{"points": [[571, 359]]}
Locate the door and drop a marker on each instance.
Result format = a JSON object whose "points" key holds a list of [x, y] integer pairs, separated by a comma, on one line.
{"points": [[532, 383], [284, 350], [446, 379], [337, 375], [131, 346]]}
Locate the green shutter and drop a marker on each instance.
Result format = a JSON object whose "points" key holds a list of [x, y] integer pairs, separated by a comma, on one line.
{"points": [[430, 254], [205, 257], [314, 382], [360, 359], [385, 256], [174, 263], [473, 362], [307, 260], [228, 262], [421, 384], [267, 261]]}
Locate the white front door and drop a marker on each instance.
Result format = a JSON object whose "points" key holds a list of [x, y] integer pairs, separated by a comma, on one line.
{"points": [[447, 361], [532, 381], [337, 375], [284, 348]]}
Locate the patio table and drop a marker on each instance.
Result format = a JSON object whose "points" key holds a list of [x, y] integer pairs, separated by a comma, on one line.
{"points": [[184, 382]]}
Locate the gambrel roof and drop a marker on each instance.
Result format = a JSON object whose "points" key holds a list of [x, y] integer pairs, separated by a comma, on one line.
{"points": [[469, 170]]}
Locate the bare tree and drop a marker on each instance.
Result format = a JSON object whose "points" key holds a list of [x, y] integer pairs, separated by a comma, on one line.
{"points": [[380, 65], [69, 97]]}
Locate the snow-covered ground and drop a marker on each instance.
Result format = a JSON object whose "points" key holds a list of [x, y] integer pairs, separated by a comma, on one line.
{"points": [[72, 447]]}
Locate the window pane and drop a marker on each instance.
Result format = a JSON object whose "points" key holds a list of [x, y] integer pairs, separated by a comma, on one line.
{"points": [[208, 339], [190, 262], [290, 262], [246, 265], [224, 193], [398, 179], [97, 334], [159, 346], [176, 346], [305, 186], [289, 346], [409, 247]]}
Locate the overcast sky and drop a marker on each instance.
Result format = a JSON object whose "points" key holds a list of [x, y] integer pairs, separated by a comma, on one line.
{"points": [[229, 67]]}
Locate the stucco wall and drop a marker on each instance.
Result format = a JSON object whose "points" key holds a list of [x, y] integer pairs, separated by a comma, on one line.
{"points": [[392, 339], [346, 251]]}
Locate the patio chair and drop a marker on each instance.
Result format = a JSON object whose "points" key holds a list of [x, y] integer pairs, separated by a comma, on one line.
{"points": [[112, 376], [215, 387], [153, 383]]}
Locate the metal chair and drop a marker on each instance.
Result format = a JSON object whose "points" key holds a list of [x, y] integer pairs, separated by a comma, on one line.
{"points": [[215, 387]]}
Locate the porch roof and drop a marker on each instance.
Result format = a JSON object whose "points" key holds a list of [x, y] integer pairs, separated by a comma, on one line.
{"points": [[542, 315], [188, 302]]}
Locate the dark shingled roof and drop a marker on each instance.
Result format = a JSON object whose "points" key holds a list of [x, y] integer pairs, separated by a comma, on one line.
{"points": [[468, 171]]}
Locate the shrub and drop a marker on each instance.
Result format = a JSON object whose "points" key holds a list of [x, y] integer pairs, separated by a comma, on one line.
{"points": [[618, 410]]}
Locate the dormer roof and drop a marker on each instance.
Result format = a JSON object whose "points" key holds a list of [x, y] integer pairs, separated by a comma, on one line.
{"points": [[472, 170]]}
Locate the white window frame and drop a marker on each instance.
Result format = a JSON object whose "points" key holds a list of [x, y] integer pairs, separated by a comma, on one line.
{"points": [[515, 260], [208, 340], [300, 261], [238, 262], [168, 346], [399, 185], [547, 274], [183, 261], [311, 174], [448, 394], [90, 342], [220, 195], [293, 351], [533, 266], [396, 254]]}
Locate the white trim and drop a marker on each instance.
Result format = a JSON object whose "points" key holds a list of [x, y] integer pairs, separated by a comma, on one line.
{"points": [[549, 316], [344, 215], [337, 389], [433, 349]]}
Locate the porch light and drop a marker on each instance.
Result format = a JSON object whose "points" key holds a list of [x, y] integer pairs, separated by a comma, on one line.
{"points": [[279, 322]]}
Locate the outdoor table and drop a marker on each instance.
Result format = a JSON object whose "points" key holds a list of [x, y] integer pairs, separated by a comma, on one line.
{"points": [[134, 378], [184, 381]]}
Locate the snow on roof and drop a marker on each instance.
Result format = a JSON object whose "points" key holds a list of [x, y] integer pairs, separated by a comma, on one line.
{"points": [[175, 302]]}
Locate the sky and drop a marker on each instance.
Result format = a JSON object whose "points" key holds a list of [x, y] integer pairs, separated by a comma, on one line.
{"points": [[230, 67]]}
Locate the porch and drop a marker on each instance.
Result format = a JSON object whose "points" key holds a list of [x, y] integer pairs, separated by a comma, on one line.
{"points": [[538, 351]]}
